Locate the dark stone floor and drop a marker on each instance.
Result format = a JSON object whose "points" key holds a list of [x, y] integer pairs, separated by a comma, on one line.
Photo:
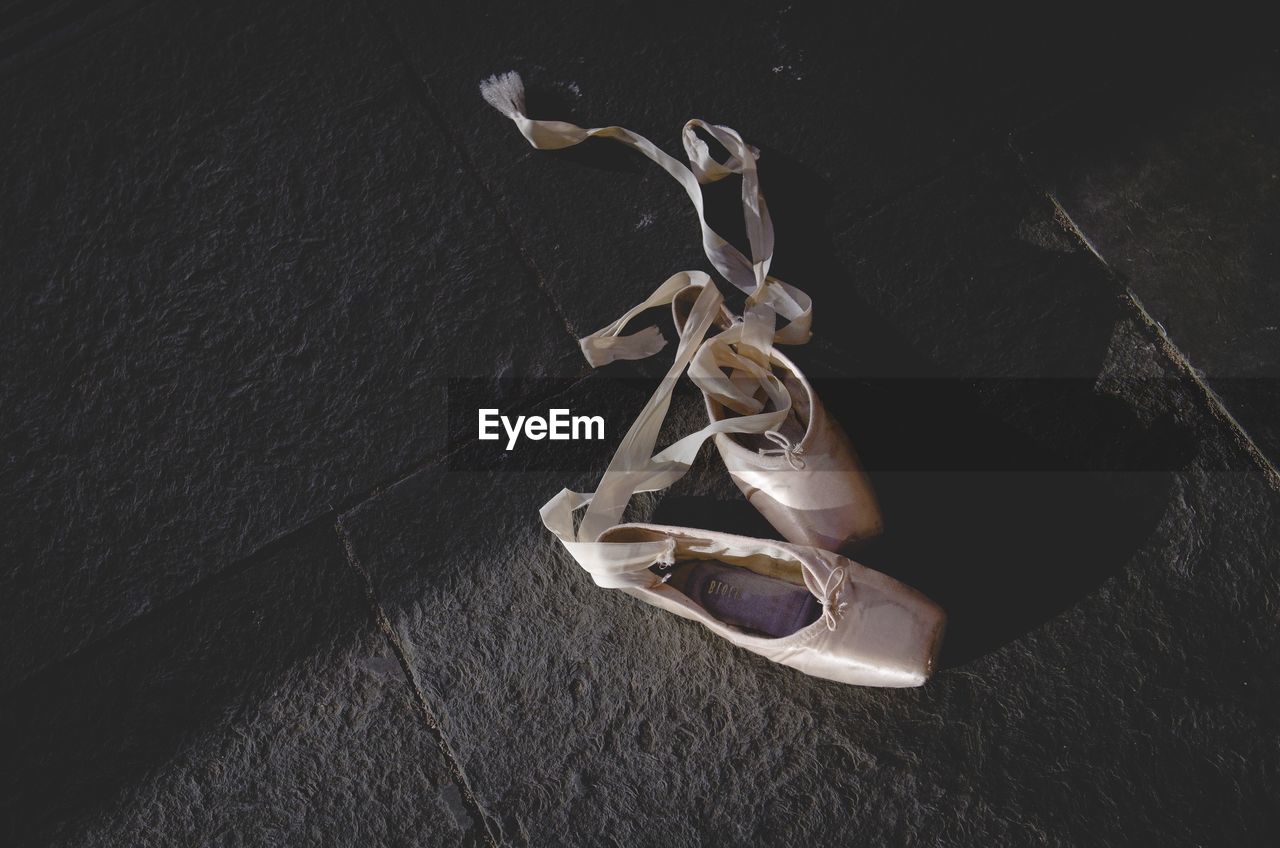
{"points": [[260, 585]]}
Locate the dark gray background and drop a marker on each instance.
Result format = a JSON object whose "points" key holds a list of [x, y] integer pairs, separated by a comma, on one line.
{"points": [[261, 261]]}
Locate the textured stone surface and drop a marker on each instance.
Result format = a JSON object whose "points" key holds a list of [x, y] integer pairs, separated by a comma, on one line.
{"points": [[30, 32], [581, 715], [263, 709], [240, 264], [851, 105], [1084, 641], [262, 260], [1175, 180], [970, 283]]}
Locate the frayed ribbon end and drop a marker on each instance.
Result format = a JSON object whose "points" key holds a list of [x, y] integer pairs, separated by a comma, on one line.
{"points": [[504, 92]]}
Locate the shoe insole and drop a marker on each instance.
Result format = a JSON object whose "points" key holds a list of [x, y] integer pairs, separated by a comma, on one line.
{"points": [[764, 606]]}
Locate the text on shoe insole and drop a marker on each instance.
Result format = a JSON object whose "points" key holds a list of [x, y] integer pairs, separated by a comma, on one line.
{"points": [[558, 425]]}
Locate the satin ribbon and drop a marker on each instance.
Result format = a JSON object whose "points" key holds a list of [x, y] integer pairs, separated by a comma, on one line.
{"points": [[505, 92], [732, 366]]}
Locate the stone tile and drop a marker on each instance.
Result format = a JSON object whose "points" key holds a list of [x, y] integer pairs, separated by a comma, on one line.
{"points": [[1140, 712], [851, 106], [31, 31], [265, 708], [240, 259], [960, 345], [970, 277], [1104, 552], [1174, 178]]}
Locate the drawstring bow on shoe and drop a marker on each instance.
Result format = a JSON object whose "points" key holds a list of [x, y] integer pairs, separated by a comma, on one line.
{"points": [[831, 591], [786, 448]]}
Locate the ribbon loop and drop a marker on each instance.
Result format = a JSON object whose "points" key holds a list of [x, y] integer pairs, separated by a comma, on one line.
{"points": [[732, 366]]}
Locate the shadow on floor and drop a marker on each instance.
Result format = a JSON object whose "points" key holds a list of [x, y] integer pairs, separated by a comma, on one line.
{"points": [[1004, 524], [81, 732]]}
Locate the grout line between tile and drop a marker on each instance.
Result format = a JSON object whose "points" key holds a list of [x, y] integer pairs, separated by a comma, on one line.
{"points": [[450, 449], [419, 697], [276, 543], [1171, 350], [1215, 403], [228, 572]]}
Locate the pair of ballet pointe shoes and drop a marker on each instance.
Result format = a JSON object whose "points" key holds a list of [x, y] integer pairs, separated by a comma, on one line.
{"points": [[797, 603], [862, 627]]}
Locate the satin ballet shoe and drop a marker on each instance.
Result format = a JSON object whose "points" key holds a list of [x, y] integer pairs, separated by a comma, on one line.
{"points": [[797, 605], [866, 628], [803, 477]]}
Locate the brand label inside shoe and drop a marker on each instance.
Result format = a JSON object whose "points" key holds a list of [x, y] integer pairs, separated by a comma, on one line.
{"points": [[754, 602], [559, 425]]}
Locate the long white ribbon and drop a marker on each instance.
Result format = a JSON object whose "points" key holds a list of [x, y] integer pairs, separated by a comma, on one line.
{"points": [[505, 92], [635, 468], [742, 350]]}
